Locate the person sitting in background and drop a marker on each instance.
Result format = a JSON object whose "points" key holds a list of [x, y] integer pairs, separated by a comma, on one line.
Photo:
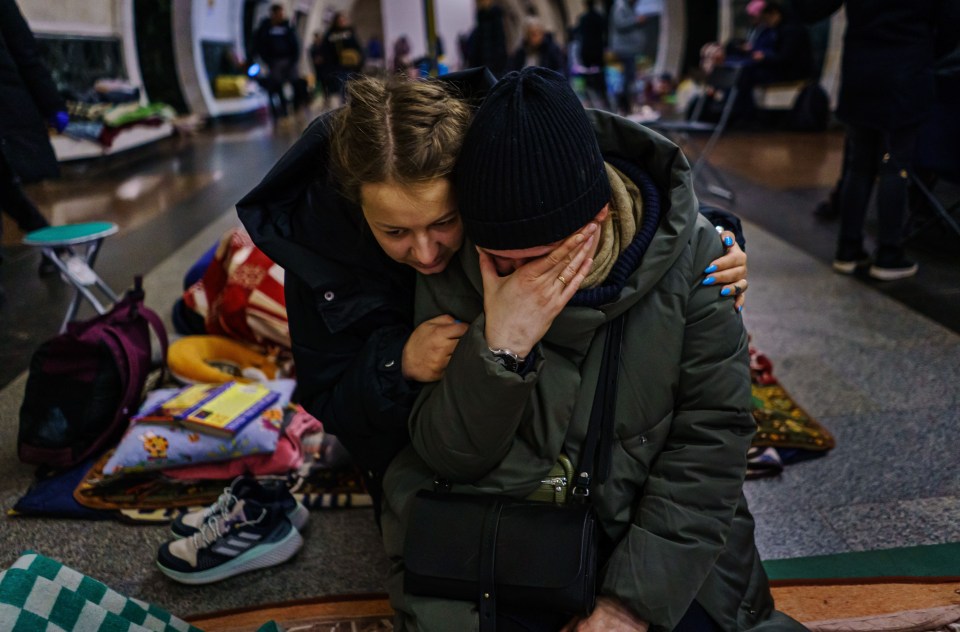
{"points": [[537, 48], [780, 51], [776, 51]]}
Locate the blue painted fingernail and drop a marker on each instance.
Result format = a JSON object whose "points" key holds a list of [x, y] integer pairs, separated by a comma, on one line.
{"points": [[725, 291], [728, 241], [739, 308], [456, 322], [710, 268], [709, 281]]}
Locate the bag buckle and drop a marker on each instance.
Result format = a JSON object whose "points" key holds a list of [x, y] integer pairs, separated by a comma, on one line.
{"points": [[581, 489]]}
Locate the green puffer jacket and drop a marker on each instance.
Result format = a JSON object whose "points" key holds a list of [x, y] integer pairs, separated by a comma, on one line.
{"points": [[673, 502]]}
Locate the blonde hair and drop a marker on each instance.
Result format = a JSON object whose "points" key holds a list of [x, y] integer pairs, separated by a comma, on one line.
{"points": [[398, 130]]}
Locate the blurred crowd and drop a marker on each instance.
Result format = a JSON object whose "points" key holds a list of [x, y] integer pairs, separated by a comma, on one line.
{"points": [[610, 54]]}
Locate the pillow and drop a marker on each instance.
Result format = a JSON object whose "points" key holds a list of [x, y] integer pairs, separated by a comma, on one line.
{"points": [[215, 359], [155, 446]]}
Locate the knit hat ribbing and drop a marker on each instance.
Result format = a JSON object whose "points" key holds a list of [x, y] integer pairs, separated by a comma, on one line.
{"points": [[530, 171]]}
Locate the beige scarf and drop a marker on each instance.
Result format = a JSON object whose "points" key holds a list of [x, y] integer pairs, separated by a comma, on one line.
{"points": [[620, 227]]}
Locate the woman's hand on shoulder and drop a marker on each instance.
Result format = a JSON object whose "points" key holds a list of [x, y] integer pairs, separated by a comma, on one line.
{"points": [[729, 272], [609, 615], [428, 349]]}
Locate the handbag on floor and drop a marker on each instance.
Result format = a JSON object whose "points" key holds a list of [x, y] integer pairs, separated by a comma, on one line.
{"points": [[525, 554]]}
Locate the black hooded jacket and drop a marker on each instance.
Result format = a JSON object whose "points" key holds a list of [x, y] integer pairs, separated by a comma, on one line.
{"points": [[350, 307], [889, 53], [28, 97]]}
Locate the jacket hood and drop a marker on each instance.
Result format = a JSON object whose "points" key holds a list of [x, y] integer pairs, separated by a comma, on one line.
{"points": [[297, 216]]}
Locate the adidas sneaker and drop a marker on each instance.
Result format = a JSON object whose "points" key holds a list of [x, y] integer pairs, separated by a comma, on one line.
{"points": [[243, 487], [248, 537]]}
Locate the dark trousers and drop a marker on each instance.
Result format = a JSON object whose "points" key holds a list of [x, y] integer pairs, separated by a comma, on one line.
{"points": [[282, 72], [874, 153], [15, 203], [626, 98]]}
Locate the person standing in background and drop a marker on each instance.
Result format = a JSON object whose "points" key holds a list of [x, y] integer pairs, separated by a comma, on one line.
{"points": [[591, 34], [344, 52], [320, 69], [887, 89], [651, 11], [29, 102], [537, 48], [627, 41], [487, 44], [400, 64], [277, 45]]}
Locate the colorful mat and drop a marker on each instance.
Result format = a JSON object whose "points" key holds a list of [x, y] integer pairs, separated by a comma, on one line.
{"points": [[786, 433]]}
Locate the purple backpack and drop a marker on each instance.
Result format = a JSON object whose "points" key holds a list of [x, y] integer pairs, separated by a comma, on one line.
{"points": [[84, 383]]}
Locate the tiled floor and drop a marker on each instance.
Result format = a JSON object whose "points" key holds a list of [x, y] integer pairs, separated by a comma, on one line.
{"points": [[878, 365]]}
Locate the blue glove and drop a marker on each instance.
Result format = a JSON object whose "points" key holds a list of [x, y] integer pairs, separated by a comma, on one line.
{"points": [[59, 121]]}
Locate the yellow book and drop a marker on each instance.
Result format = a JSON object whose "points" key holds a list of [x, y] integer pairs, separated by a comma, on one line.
{"points": [[168, 410], [230, 409]]}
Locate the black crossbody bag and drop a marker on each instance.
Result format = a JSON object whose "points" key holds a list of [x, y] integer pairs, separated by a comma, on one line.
{"points": [[524, 554]]}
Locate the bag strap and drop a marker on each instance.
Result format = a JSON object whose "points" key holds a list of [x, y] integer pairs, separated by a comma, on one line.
{"points": [[598, 444], [158, 329], [487, 599]]}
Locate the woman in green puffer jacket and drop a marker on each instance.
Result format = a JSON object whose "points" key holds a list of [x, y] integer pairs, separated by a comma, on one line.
{"points": [[574, 220]]}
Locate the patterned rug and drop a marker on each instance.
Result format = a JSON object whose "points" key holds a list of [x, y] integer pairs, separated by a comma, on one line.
{"points": [[877, 605], [786, 433]]}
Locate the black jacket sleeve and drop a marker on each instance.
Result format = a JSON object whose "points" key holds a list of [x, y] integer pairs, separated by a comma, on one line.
{"points": [[22, 47], [816, 10], [351, 380]]}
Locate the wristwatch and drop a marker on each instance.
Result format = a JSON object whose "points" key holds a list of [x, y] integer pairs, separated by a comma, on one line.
{"points": [[510, 360]]}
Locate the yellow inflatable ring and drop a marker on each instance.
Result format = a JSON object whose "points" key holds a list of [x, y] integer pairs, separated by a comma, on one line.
{"points": [[216, 359]]}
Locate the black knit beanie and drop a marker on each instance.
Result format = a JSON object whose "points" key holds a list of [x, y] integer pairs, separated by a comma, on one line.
{"points": [[530, 171]]}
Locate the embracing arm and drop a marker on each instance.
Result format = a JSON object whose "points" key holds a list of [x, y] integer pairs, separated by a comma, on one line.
{"points": [[351, 381], [681, 523]]}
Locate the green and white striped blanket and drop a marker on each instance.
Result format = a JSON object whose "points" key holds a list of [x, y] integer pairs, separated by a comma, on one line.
{"points": [[41, 594]]}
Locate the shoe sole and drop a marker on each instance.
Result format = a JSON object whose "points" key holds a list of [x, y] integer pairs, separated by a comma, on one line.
{"points": [[252, 560], [892, 274], [846, 267], [298, 518]]}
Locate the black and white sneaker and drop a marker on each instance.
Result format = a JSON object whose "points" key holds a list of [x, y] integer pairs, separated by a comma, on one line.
{"points": [[848, 260], [892, 265], [249, 537], [243, 487]]}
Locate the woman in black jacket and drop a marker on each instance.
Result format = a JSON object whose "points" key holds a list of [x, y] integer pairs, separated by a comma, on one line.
{"points": [[350, 271], [28, 102], [886, 91]]}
